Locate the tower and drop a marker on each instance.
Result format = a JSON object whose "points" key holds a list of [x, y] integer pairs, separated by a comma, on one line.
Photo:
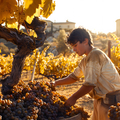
{"points": [[118, 27]]}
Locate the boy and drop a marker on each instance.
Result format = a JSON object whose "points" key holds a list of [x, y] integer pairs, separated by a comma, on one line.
{"points": [[102, 80]]}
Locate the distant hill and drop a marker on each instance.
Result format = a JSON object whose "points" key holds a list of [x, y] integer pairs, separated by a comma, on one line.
{"points": [[7, 47], [7, 43]]}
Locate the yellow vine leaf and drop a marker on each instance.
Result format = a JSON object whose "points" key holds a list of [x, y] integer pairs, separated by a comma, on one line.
{"points": [[37, 14], [29, 19], [11, 20], [13, 25], [32, 33], [7, 8], [27, 3], [30, 9], [47, 8]]}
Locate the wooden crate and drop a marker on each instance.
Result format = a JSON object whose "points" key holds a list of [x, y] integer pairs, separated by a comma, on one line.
{"points": [[76, 117]]}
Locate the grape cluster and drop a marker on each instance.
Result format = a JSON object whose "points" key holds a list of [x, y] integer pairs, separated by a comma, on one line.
{"points": [[36, 101], [114, 112]]}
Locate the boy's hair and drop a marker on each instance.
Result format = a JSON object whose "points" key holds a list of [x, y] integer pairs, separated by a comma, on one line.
{"points": [[79, 34]]}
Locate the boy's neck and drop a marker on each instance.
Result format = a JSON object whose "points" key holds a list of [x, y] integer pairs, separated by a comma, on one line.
{"points": [[89, 50]]}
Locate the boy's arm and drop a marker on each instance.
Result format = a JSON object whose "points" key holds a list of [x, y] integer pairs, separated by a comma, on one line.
{"points": [[81, 92], [64, 81]]}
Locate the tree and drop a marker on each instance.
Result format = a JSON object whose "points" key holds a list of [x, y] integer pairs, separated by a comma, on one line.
{"points": [[17, 13], [61, 46], [4, 48]]}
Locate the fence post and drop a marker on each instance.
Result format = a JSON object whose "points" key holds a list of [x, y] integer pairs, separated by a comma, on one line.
{"points": [[34, 66], [109, 49]]}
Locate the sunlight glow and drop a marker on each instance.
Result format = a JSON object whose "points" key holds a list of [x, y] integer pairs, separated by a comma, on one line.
{"points": [[95, 15]]}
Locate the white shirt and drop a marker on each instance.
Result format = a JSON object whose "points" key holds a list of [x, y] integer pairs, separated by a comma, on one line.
{"points": [[98, 71]]}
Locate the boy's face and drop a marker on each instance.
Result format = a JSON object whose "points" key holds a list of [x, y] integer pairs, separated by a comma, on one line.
{"points": [[79, 48]]}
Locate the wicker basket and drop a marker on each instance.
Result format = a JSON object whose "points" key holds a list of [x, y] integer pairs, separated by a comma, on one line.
{"points": [[76, 117]]}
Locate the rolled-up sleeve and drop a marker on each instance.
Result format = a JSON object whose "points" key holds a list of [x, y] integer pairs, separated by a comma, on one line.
{"points": [[77, 74]]}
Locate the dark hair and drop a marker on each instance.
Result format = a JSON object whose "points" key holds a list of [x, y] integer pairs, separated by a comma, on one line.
{"points": [[79, 34]]}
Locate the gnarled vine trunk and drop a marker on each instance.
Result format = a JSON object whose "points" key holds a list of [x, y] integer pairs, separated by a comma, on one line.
{"points": [[25, 44]]}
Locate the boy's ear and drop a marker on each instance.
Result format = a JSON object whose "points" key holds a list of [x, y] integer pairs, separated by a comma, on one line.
{"points": [[86, 41]]}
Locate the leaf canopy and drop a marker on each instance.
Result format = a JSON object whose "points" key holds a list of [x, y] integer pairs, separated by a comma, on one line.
{"points": [[16, 11]]}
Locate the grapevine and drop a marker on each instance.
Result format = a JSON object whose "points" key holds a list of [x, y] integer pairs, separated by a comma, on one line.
{"points": [[59, 66], [115, 53]]}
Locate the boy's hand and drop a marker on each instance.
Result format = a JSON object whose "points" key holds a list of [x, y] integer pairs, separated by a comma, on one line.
{"points": [[53, 85], [71, 101]]}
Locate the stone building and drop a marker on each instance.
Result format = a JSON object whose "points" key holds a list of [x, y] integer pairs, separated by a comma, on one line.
{"points": [[49, 25], [55, 26], [63, 25], [118, 27]]}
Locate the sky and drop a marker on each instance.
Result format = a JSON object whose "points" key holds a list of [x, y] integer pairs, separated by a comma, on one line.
{"points": [[99, 16]]}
